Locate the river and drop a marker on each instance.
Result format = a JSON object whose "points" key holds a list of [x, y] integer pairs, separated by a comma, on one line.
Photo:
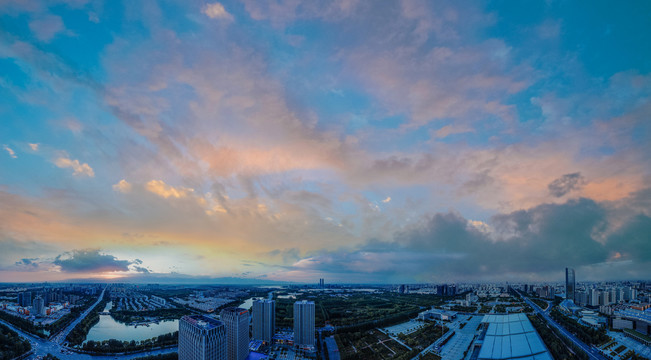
{"points": [[107, 328]]}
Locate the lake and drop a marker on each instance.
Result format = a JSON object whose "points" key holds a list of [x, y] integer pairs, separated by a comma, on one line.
{"points": [[107, 328]]}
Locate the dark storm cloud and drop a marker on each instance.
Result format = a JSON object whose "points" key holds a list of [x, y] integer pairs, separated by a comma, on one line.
{"points": [[525, 243], [633, 240], [566, 184], [90, 260], [27, 262]]}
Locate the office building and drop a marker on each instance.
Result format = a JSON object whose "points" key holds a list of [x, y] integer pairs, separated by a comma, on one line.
{"points": [[236, 321], [604, 298], [594, 297], [264, 320], [304, 323], [201, 338], [570, 284], [25, 299], [38, 306], [321, 283]]}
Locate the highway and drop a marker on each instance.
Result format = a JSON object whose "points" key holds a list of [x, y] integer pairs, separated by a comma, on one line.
{"points": [[54, 345], [63, 334], [593, 354]]}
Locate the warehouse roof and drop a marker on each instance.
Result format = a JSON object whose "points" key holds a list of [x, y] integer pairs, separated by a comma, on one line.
{"points": [[512, 337]]}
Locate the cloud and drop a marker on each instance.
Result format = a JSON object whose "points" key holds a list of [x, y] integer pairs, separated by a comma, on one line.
{"points": [[90, 261], [34, 147], [566, 184], [163, 190], [122, 186], [28, 262], [526, 244], [45, 27], [549, 29], [216, 11], [10, 151], [283, 12], [448, 130], [79, 168]]}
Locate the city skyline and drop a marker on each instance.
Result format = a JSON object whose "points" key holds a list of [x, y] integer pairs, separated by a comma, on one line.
{"points": [[407, 142]]}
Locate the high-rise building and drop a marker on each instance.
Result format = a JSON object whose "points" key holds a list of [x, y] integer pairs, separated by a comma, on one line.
{"points": [[604, 298], [201, 338], [304, 323], [38, 306], [321, 283], [25, 299], [237, 332], [570, 284], [594, 297], [264, 320]]}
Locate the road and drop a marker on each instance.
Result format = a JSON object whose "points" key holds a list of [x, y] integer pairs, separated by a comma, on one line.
{"points": [[593, 353], [44, 346], [61, 336], [54, 346], [331, 346]]}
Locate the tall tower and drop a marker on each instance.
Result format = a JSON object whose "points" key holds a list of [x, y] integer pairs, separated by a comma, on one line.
{"points": [[264, 320], [304, 323], [201, 338], [237, 332], [25, 299], [570, 284], [38, 306]]}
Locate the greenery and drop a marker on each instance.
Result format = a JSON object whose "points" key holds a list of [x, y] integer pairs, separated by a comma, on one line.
{"points": [[485, 309], [372, 344], [586, 334], [23, 324], [74, 313], [541, 303], [425, 336], [136, 316], [117, 346], [11, 344], [78, 334], [358, 311], [170, 356], [560, 347], [463, 309], [50, 357]]}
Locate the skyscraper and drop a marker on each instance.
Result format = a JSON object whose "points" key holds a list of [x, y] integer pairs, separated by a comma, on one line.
{"points": [[25, 299], [237, 332], [201, 338], [304, 323], [38, 306], [264, 320], [570, 284]]}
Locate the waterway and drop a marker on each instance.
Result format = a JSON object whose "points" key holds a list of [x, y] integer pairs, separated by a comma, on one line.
{"points": [[107, 328], [247, 304]]}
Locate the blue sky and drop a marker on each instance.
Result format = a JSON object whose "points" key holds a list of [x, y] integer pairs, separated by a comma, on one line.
{"points": [[292, 140]]}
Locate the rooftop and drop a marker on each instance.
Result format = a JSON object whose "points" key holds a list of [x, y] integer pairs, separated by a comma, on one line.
{"points": [[202, 321], [512, 336], [635, 314]]}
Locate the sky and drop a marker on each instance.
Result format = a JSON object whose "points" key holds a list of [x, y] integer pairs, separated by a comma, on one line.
{"points": [[355, 141]]}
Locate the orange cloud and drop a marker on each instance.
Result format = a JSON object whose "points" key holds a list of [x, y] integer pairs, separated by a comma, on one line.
{"points": [[161, 189]]}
